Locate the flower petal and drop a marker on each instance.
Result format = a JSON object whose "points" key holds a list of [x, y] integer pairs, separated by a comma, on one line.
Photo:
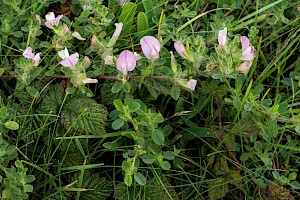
{"points": [[28, 53], [191, 84], [150, 47], [180, 48], [245, 43]]}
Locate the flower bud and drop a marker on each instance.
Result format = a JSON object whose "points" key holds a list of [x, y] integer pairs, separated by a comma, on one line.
{"points": [[118, 30], [52, 20], [150, 47], [78, 36], [180, 48], [244, 67], [126, 61], [191, 84], [222, 38], [247, 49], [173, 63], [109, 60]]}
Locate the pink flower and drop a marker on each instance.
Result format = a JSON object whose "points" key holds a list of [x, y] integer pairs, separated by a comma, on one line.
{"points": [[118, 30], [191, 84], [247, 49], [126, 61], [52, 20], [121, 2], [150, 47], [28, 54], [180, 48], [222, 37], [68, 61], [244, 67]]}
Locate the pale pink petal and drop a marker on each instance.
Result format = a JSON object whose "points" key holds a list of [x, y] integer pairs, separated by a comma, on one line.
{"points": [[28, 53], [78, 36], [118, 30], [150, 47], [244, 67], [248, 54], [191, 84], [126, 61], [180, 48], [63, 53], [50, 16], [36, 59], [52, 20], [222, 37], [245, 43], [70, 61]]}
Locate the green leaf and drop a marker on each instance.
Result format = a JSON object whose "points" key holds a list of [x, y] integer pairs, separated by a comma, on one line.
{"points": [[148, 158], [295, 185], [29, 178], [2, 70], [158, 137], [276, 175], [11, 125], [28, 188], [165, 165], [292, 176], [6, 194], [149, 9], [45, 44], [134, 106], [128, 180], [18, 34], [175, 92], [85, 115], [142, 24], [119, 105], [32, 91], [118, 123], [169, 155], [140, 178], [126, 87], [126, 17], [112, 145], [117, 87]]}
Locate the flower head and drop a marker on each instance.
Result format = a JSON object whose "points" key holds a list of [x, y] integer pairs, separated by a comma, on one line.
{"points": [[126, 61], [247, 49], [191, 84], [222, 37], [28, 54], [52, 20], [244, 67], [180, 48], [150, 47], [68, 60]]}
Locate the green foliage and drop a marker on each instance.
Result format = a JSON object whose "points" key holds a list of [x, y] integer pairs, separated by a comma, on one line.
{"points": [[236, 135], [84, 115], [152, 190], [97, 188], [16, 182]]}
